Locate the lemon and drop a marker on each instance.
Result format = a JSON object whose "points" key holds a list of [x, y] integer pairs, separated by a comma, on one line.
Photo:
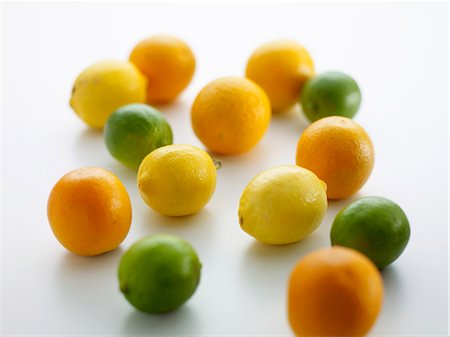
{"points": [[177, 180], [159, 273], [105, 86], [282, 205]]}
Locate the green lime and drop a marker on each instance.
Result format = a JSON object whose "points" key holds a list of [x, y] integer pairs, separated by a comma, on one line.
{"points": [[135, 130], [375, 226], [330, 94], [159, 273]]}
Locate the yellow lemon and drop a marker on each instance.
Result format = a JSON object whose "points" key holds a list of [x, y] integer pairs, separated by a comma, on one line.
{"points": [[281, 68], [177, 180], [282, 205], [104, 87]]}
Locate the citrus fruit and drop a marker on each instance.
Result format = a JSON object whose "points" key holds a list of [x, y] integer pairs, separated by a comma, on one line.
{"points": [[89, 211], [230, 115], [334, 292], [135, 130], [159, 273], [340, 152], [375, 226], [281, 68], [330, 94], [168, 64], [103, 87], [177, 180], [282, 205]]}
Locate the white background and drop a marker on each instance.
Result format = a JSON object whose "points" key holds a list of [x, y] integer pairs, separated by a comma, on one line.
{"points": [[398, 52]]}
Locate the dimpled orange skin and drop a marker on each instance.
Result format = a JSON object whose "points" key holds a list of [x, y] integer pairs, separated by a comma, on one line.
{"points": [[281, 68], [339, 152], [334, 291], [89, 211], [168, 63], [230, 115]]}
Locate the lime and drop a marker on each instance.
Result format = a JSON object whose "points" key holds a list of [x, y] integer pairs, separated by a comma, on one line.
{"points": [[375, 226], [282, 205], [105, 86], [135, 130], [177, 180], [330, 94], [159, 273]]}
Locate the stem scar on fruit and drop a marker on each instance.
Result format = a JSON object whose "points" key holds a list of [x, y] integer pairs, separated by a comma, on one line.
{"points": [[217, 164], [241, 220]]}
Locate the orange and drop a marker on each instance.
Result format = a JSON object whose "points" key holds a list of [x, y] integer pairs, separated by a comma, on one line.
{"points": [[334, 291], [230, 115], [168, 64], [89, 211], [339, 152], [281, 68]]}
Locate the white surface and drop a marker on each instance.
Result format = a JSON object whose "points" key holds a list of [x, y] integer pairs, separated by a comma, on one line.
{"points": [[397, 52]]}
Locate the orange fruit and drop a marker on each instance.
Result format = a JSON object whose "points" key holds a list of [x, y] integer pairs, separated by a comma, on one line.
{"points": [[230, 115], [334, 291], [339, 152], [168, 64], [281, 68], [89, 211]]}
